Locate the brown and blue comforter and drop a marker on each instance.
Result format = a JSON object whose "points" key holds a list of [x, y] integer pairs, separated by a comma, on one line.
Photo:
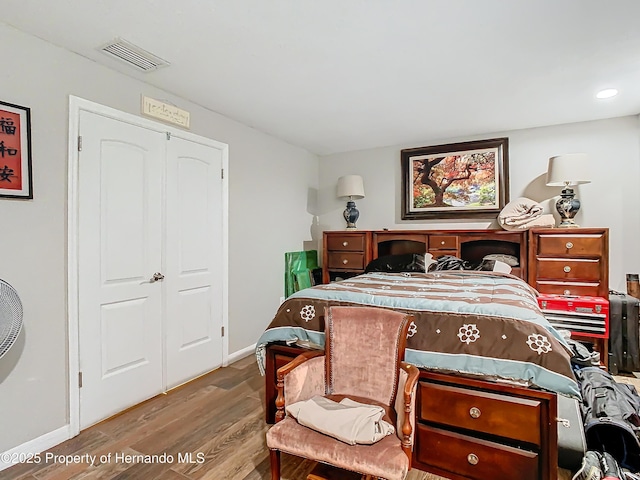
{"points": [[477, 323]]}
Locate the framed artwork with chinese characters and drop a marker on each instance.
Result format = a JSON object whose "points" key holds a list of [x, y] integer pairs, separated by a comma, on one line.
{"points": [[15, 151]]}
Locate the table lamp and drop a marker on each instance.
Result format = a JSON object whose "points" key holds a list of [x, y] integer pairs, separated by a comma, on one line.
{"points": [[565, 171], [351, 187]]}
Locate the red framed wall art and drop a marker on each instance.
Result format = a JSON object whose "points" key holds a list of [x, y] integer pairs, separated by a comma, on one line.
{"points": [[15, 151]]}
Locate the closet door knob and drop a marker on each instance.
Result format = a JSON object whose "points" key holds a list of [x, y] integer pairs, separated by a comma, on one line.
{"points": [[156, 277]]}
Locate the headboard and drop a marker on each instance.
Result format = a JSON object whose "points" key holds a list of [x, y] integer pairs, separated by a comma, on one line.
{"points": [[347, 253], [470, 245]]}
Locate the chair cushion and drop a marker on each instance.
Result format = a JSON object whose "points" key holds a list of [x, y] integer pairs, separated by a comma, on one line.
{"points": [[384, 459]]}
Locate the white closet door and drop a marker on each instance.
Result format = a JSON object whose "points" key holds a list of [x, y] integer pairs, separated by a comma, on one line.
{"points": [[193, 260], [120, 221]]}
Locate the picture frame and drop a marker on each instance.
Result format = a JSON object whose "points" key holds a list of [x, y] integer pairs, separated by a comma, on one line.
{"points": [[15, 151], [464, 180]]}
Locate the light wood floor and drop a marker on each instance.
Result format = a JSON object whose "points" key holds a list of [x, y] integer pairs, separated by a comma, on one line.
{"points": [[219, 415]]}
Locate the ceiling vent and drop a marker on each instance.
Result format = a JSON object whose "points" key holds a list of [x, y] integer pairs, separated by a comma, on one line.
{"points": [[134, 56]]}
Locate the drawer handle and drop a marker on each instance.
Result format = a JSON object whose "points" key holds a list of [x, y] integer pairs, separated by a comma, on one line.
{"points": [[345, 261], [473, 459], [475, 412], [442, 242], [345, 244], [567, 269], [567, 292], [569, 245]]}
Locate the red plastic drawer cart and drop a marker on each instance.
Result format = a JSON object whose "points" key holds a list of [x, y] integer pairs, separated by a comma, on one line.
{"points": [[587, 318]]}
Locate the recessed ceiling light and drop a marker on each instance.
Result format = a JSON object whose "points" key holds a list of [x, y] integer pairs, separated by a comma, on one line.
{"points": [[607, 93]]}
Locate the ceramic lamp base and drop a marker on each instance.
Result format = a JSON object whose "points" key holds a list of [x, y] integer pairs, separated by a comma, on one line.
{"points": [[567, 206], [351, 215]]}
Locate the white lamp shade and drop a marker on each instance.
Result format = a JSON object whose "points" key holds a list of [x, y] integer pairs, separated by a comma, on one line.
{"points": [[569, 169], [350, 186]]}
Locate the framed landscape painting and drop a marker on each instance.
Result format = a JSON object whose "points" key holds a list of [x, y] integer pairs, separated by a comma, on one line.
{"points": [[468, 179]]}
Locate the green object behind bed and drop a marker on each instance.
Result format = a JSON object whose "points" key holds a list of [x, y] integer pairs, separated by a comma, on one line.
{"points": [[298, 270]]}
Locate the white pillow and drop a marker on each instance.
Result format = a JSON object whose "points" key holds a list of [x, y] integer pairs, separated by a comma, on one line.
{"points": [[504, 258], [499, 266]]}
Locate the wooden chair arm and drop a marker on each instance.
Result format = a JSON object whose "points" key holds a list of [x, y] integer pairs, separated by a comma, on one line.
{"points": [[283, 371], [409, 391]]}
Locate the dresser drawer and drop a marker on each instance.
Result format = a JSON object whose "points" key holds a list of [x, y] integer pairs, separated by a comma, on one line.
{"points": [[349, 243], [346, 260], [474, 458], [443, 242], [589, 289], [571, 245], [510, 417], [569, 269]]}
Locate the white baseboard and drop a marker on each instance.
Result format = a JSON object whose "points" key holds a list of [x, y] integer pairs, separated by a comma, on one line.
{"points": [[240, 354], [34, 446]]}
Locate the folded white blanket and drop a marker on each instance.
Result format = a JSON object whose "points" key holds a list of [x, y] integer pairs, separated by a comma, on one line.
{"points": [[520, 211], [546, 220], [348, 421]]}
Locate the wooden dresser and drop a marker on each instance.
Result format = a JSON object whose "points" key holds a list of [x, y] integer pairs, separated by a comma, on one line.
{"points": [[569, 261]]}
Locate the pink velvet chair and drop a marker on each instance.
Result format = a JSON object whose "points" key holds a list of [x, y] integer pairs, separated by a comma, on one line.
{"points": [[362, 360]]}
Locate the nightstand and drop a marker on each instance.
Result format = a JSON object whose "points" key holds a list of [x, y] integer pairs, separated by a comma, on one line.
{"points": [[569, 261], [344, 254]]}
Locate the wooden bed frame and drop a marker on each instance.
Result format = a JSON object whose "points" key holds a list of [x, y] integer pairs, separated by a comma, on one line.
{"points": [[488, 429]]}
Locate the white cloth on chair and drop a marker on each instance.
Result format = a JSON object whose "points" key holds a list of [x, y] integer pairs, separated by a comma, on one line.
{"points": [[349, 421]]}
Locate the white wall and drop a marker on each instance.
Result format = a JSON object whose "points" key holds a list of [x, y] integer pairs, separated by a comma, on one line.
{"points": [[611, 200], [272, 189]]}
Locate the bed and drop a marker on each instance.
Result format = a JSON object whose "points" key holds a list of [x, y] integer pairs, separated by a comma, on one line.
{"points": [[476, 323], [493, 371], [492, 368]]}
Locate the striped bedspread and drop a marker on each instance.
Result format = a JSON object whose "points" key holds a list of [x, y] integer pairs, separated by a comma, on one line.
{"points": [[477, 323]]}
